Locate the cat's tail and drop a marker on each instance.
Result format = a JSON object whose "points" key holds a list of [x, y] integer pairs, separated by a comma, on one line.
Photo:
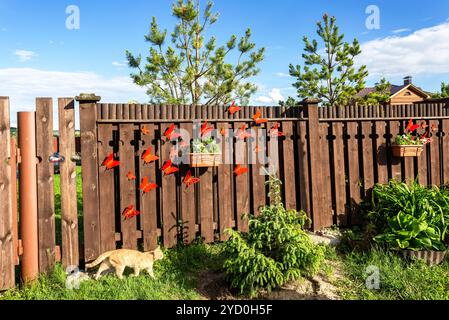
{"points": [[99, 260]]}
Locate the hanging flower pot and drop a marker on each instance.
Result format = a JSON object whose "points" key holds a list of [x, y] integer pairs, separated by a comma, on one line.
{"points": [[205, 153], [402, 151], [204, 160], [410, 144]]}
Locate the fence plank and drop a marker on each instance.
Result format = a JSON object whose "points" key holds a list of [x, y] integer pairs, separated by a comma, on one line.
{"points": [[148, 201], [445, 150], [206, 204], [303, 168], [257, 169], [289, 166], [435, 154], [354, 173], [241, 186], [14, 200], [326, 192], [127, 186], [89, 163], [7, 275], [188, 213], [69, 209], [395, 162], [45, 184], [368, 156], [339, 175], [381, 145], [169, 207], [225, 179], [107, 188]]}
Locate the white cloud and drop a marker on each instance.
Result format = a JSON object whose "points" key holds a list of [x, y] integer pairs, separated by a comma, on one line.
{"points": [[23, 85], [25, 55], [119, 64], [274, 96], [282, 75], [423, 52], [401, 30]]}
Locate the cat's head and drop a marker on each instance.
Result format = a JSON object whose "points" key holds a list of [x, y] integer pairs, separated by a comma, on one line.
{"points": [[157, 254]]}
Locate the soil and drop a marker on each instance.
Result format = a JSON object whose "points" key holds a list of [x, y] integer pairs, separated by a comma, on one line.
{"points": [[213, 286]]}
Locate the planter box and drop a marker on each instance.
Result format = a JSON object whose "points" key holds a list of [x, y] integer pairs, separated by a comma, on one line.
{"points": [[430, 257], [205, 160], [402, 151]]}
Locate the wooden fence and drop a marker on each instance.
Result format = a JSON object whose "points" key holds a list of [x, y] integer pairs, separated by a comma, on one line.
{"points": [[328, 159]]}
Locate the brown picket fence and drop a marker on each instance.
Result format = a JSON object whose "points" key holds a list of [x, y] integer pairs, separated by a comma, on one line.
{"points": [[328, 160]]}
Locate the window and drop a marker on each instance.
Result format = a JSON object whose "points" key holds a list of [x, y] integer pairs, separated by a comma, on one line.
{"points": [[408, 94]]}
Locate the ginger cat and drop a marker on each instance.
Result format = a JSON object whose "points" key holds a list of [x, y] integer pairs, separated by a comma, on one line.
{"points": [[120, 259]]}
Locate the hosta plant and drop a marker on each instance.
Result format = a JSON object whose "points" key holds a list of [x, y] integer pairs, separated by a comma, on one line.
{"points": [[274, 251], [410, 216]]}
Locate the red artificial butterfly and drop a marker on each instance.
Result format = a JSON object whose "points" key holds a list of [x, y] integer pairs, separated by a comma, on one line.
{"points": [[239, 170], [233, 108], [190, 180], [148, 157], [110, 163], [412, 127], [146, 186], [242, 134], [170, 133], [258, 118], [274, 132], [168, 168], [131, 176], [205, 129], [130, 212], [144, 130]]}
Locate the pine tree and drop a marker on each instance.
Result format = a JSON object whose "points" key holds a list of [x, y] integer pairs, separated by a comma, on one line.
{"points": [[191, 70], [380, 95], [444, 93], [329, 73]]}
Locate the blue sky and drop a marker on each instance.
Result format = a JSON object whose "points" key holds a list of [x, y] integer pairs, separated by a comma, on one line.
{"points": [[40, 57]]}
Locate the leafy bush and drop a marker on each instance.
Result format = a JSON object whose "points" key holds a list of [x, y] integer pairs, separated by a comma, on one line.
{"points": [[275, 251], [411, 216], [208, 145]]}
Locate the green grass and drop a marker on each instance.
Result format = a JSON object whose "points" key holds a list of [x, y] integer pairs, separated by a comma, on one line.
{"points": [[57, 184], [399, 280], [177, 278]]}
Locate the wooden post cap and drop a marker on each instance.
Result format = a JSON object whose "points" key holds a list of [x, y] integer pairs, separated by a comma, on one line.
{"points": [[311, 101], [87, 97]]}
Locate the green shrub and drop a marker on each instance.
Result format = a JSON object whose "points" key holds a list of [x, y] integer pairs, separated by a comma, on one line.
{"points": [[410, 216], [274, 251]]}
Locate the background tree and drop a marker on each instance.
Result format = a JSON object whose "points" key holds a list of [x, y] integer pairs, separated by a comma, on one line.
{"points": [[444, 93], [380, 95], [190, 70], [329, 73]]}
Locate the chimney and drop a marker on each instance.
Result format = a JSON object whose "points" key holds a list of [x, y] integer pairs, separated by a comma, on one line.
{"points": [[408, 80]]}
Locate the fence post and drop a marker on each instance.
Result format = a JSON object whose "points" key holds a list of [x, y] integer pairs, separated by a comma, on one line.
{"points": [[28, 195], [89, 166], [7, 280], [311, 106]]}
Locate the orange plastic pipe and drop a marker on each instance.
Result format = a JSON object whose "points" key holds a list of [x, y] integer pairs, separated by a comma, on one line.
{"points": [[28, 195]]}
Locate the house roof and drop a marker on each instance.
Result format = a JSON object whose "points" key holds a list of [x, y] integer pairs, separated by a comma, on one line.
{"points": [[394, 90]]}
